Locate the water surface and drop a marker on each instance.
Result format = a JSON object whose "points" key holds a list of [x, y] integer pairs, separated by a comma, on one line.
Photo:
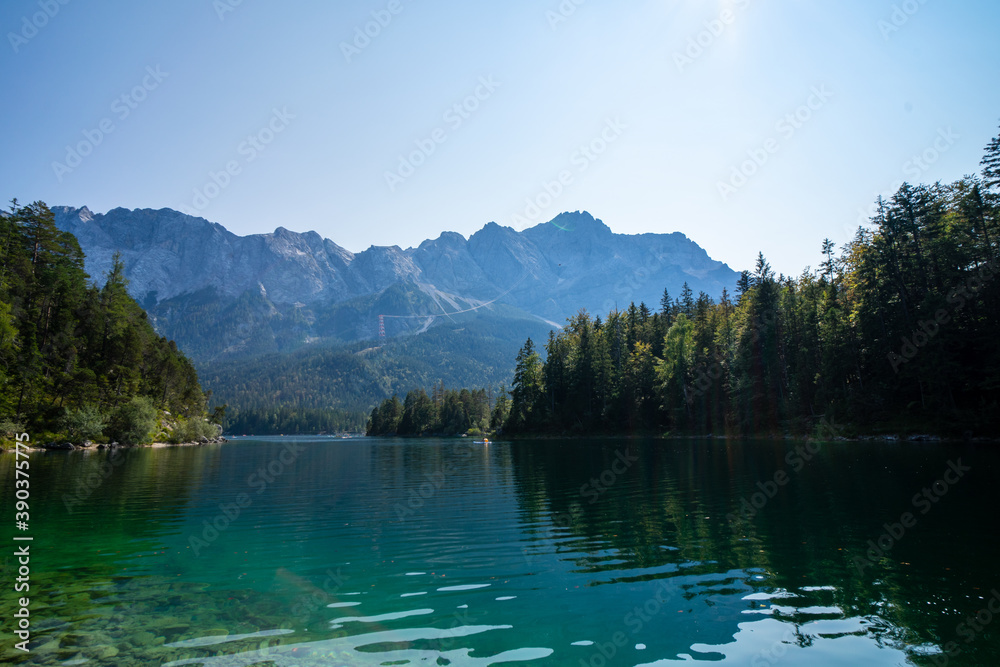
{"points": [[297, 551]]}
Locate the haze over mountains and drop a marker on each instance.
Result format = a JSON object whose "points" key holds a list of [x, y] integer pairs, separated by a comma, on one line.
{"points": [[222, 296]]}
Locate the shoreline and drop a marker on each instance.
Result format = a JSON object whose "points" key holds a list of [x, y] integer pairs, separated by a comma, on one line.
{"points": [[91, 447], [886, 439], [875, 439]]}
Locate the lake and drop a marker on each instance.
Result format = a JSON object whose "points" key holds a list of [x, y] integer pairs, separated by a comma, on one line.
{"points": [[325, 551]]}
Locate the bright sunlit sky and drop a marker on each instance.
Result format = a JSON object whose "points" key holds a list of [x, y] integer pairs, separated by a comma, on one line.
{"points": [[327, 126]]}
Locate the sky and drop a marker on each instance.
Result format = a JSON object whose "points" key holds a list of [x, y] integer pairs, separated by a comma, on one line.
{"points": [[749, 126]]}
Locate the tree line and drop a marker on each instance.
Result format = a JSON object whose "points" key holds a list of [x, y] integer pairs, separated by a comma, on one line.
{"points": [[291, 420], [78, 360], [896, 332], [444, 412]]}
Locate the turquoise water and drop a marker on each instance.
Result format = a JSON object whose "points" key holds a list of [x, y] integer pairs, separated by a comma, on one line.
{"points": [[297, 551]]}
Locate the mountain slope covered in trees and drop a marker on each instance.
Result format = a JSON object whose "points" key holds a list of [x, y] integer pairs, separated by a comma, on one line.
{"points": [[78, 360], [333, 388]]}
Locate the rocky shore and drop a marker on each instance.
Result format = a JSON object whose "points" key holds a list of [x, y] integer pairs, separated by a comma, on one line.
{"points": [[87, 445]]}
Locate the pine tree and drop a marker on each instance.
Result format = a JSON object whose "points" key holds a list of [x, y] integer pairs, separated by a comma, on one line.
{"points": [[70, 353], [826, 268], [991, 165], [687, 301], [665, 303], [527, 392]]}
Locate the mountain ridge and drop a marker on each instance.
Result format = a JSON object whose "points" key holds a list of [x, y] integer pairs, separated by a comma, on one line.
{"points": [[303, 286]]}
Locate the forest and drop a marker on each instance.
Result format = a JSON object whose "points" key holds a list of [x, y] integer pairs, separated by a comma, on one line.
{"points": [[445, 411], [80, 361], [894, 334], [332, 388], [291, 420]]}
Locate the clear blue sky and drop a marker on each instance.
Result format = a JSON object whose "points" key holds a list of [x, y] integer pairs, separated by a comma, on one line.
{"points": [[883, 88]]}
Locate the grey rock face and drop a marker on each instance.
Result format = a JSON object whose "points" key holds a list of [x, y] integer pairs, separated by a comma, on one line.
{"points": [[551, 270]]}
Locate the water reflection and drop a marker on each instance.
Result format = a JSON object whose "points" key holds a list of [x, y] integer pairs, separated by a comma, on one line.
{"points": [[677, 515], [612, 552]]}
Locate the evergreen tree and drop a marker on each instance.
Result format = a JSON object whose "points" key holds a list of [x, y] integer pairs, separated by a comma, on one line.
{"points": [[991, 165], [826, 268], [527, 391], [70, 353], [687, 301]]}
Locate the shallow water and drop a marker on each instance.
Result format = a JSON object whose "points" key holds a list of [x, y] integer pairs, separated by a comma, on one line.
{"points": [[298, 551]]}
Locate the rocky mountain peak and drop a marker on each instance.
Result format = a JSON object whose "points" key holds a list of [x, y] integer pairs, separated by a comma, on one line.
{"points": [[549, 271], [579, 222]]}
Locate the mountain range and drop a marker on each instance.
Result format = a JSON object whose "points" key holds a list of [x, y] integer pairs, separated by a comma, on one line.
{"points": [[276, 292], [294, 320]]}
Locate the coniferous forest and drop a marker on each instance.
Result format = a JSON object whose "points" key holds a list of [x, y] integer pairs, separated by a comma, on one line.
{"points": [[894, 333], [77, 360]]}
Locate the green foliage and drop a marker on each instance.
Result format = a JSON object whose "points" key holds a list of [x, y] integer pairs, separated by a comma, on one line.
{"points": [[445, 412], [132, 423], [333, 389], [193, 430], [71, 351], [900, 329], [219, 415], [290, 420], [84, 423], [991, 165], [9, 429], [501, 409], [527, 392]]}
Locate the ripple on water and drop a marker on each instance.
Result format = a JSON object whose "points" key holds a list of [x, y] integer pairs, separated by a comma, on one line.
{"points": [[464, 587], [380, 618], [345, 650], [222, 639]]}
